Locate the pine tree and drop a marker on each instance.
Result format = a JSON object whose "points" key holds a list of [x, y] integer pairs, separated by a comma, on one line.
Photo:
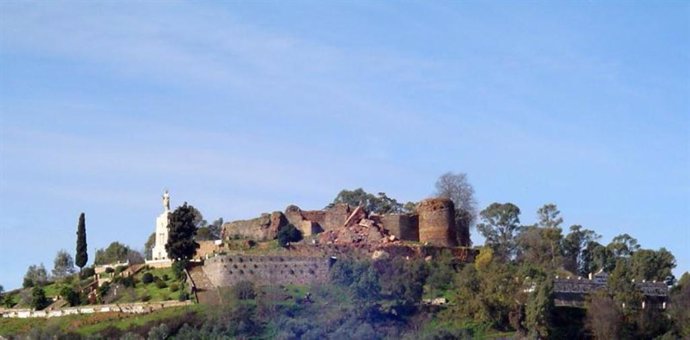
{"points": [[82, 256]]}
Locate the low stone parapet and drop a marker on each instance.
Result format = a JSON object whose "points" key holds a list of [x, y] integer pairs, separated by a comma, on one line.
{"points": [[129, 308]]}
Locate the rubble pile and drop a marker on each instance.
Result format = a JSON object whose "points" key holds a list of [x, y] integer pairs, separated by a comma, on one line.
{"points": [[359, 228]]}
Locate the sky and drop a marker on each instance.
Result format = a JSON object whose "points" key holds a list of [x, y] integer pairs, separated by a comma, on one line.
{"points": [[244, 107]]}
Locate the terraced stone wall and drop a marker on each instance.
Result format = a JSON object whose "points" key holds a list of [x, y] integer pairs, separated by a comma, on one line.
{"points": [[227, 270]]}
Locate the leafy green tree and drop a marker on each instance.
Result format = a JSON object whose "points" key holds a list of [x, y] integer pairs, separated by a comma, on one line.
{"points": [[623, 245], [549, 216], [380, 204], [115, 252], [500, 222], [485, 294], [63, 265], [600, 258], [457, 188], [401, 281], [441, 273], [35, 276], [181, 231], [148, 246], [575, 247], [288, 234], [540, 246], [647, 264], [539, 310], [210, 231], [679, 306], [82, 255], [70, 296], [39, 299], [620, 284]]}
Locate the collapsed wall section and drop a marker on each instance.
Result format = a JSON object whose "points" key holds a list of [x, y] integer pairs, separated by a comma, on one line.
{"points": [[321, 220], [402, 226], [437, 222], [227, 270]]}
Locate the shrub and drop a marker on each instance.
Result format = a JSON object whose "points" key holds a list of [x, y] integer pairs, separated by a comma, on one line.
{"points": [[127, 281], [146, 298], [39, 299], [184, 296], [161, 284], [178, 269], [289, 234], [166, 277], [244, 290], [70, 296], [109, 270], [174, 287], [103, 290], [87, 272], [147, 278]]}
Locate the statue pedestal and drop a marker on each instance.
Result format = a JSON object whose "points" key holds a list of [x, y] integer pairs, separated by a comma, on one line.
{"points": [[158, 254]]}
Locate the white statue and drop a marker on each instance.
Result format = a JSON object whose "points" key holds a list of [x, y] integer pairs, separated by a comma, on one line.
{"points": [[166, 201]]}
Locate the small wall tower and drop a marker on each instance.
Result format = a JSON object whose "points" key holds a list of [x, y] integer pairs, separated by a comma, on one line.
{"points": [[437, 222]]}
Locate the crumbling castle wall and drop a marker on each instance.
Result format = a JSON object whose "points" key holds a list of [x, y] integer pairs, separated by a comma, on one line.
{"points": [[262, 228], [402, 226], [437, 222], [321, 220], [226, 271]]}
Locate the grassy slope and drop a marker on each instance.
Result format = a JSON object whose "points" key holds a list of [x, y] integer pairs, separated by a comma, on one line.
{"points": [[91, 323], [150, 289]]}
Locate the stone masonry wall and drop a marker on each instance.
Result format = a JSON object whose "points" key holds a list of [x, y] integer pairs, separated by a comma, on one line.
{"points": [[437, 222], [403, 226], [261, 228], [227, 270], [322, 220]]}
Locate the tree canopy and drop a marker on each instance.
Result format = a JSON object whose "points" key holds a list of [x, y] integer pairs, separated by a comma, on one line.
{"points": [[380, 203], [500, 223], [181, 231], [115, 252], [63, 264]]}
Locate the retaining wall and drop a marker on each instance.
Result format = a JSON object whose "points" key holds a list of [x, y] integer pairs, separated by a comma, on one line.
{"points": [[227, 270]]}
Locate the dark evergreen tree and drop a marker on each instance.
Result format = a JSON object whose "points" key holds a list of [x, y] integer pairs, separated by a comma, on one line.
{"points": [[181, 231], [82, 256]]}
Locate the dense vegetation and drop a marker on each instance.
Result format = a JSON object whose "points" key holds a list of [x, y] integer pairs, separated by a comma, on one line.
{"points": [[506, 292]]}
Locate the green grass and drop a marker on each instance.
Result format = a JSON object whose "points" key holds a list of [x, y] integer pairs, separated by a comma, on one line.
{"points": [[150, 289], [137, 320], [92, 323]]}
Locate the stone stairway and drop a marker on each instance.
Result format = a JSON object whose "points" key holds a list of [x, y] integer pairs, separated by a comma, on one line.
{"points": [[205, 290]]}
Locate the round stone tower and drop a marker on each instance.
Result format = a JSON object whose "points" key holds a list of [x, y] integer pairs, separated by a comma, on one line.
{"points": [[437, 222]]}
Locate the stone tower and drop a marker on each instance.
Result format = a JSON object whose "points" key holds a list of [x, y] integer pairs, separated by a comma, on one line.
{"points": [[437, 222], [159, 253]]}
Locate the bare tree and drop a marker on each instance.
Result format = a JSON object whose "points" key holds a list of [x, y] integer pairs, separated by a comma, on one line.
{"points": [[456, 187]]}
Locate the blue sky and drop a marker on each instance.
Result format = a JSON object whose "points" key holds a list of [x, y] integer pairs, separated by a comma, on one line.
{"points": [[245, 107]]}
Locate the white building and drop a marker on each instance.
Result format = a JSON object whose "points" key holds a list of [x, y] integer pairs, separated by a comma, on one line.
{"points": [[159, 256]]}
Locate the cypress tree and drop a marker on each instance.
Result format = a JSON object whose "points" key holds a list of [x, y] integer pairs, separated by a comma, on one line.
{"points": [[82, 257]]}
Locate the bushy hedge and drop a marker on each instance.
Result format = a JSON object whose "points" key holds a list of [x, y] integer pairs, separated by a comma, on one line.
{"points": [[147, 278]]}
